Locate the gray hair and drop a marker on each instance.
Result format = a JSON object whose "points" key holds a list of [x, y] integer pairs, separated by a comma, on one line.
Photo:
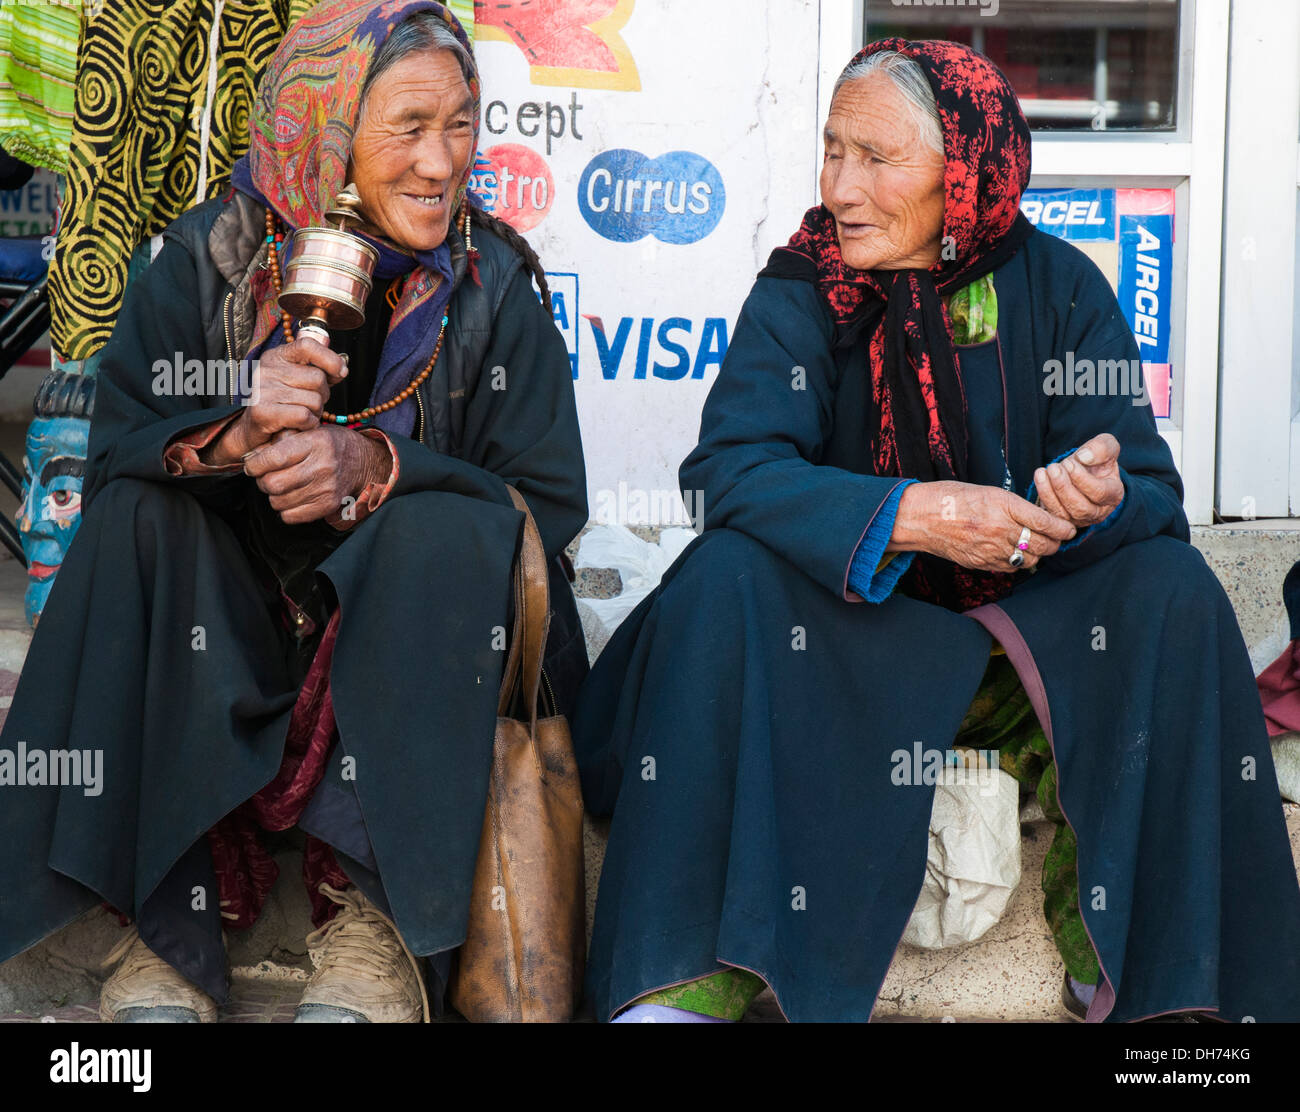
{"points": [[910, 80], [419, 33]]}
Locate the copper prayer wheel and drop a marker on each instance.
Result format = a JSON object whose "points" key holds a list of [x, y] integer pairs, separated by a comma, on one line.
{"points": [[327, 276]]}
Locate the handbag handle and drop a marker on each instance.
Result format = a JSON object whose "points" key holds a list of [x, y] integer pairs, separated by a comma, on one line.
{"points": [[523, 672]]}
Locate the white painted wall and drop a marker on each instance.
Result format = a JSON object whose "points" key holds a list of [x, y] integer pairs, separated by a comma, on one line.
{"points": [[734, 81]]}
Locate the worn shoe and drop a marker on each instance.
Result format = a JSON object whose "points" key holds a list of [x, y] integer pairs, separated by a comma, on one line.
{"points": [[145, 989], [1077, 1008], [364, 972]]}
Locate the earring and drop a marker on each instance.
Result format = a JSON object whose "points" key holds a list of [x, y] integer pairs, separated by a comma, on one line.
{"points": [[469, 242]]}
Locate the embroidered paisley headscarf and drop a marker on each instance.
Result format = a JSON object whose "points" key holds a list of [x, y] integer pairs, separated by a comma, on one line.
{"points": [[916, 427], [302, 126]]}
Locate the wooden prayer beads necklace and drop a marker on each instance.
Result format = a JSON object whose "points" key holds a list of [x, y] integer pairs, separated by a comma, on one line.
{"points": [[274, 239]]}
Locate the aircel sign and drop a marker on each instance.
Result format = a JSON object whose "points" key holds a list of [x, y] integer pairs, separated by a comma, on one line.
{"points": [[1129, 234], [677, 198], [1082, 215]]}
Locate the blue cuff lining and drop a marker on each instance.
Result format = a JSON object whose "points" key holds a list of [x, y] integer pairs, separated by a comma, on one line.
{"points": [[872, 585]]}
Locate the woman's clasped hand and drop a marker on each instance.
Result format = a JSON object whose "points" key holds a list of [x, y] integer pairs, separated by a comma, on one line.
{"points": [[975, 526], [980, 526], [307, 470], [1083, 488]]}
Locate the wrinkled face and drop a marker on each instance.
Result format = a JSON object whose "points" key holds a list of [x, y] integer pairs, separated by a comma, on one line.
{"points": [[412, 147], [880, 180], [51, 508]]}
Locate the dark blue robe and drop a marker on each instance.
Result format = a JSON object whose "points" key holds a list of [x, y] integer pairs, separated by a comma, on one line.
{"points": [[767, 831]]}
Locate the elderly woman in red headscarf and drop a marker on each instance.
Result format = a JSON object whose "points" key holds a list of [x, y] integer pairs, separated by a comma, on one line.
{"points": [[916, 536], [285, 606]]}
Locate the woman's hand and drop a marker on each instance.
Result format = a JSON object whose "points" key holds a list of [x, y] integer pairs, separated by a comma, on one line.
{"points": [[1083, 488], [308, 475], [974, 526], [291, 385]]}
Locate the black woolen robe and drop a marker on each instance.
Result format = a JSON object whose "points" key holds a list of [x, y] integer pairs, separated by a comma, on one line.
{"points": [[188, 733], [768, 831]]}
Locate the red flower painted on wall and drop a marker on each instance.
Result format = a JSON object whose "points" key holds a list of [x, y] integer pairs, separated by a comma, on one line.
{"points": [[566, 42]]}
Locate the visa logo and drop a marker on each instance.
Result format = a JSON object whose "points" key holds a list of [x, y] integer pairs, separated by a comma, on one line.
{"points": [[564, 309], [670, 351]]}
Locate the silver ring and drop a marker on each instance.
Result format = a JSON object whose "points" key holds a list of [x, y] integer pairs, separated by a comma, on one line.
{"points": [[1016, 558]]}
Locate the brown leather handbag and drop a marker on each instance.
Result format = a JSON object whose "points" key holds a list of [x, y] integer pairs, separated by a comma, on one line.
{"points": [[522, 960]]}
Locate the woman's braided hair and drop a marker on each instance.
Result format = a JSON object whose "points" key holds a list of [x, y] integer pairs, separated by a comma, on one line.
{"points": [[495, 224]]}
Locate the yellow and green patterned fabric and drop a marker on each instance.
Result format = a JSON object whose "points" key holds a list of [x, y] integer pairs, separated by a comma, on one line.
{"points": [[973, 310], [141, 124], [38, 68]]}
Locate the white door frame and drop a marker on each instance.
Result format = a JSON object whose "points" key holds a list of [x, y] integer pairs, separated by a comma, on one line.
{"points": [[1259, 465]]}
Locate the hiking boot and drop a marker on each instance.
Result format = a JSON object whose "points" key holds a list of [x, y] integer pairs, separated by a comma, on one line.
{"points": [[364, 972], [145, 989]]}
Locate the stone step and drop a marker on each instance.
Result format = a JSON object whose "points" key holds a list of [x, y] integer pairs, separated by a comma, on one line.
{"points": [[1013, 973]]}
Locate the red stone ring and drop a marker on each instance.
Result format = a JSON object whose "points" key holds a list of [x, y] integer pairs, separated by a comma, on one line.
{"points": [[1022, 546]]}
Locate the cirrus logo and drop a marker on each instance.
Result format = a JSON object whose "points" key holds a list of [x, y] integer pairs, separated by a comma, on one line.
{"points": [[677, 198]]}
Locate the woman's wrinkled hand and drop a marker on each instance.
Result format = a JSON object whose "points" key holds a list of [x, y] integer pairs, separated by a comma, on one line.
{"points": [[291, 386], [975, 526], [308, 476], [1083, 488]]}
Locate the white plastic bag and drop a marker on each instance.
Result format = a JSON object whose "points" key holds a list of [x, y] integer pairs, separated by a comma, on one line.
{"points": [[639, 564], [973, 864], [1286, 759]]}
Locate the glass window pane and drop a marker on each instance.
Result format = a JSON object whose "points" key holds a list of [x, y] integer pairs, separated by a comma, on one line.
{"points": [[1077, 65]]}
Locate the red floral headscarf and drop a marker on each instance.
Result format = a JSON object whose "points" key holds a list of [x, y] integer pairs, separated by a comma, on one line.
{"points": [[917, 424]]}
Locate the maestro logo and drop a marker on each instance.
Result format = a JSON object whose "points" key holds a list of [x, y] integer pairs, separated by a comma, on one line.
{"points": [[519, 182], [484, 183], [677, 198]]}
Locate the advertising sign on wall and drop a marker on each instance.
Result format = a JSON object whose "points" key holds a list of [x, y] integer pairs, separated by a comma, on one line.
{"points": [[1129, 234], [653, 171], [28, 212]]}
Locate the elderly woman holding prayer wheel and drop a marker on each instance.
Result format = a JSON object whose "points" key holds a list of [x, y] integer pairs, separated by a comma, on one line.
{"points": [[286, 610], [908, 539]]}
